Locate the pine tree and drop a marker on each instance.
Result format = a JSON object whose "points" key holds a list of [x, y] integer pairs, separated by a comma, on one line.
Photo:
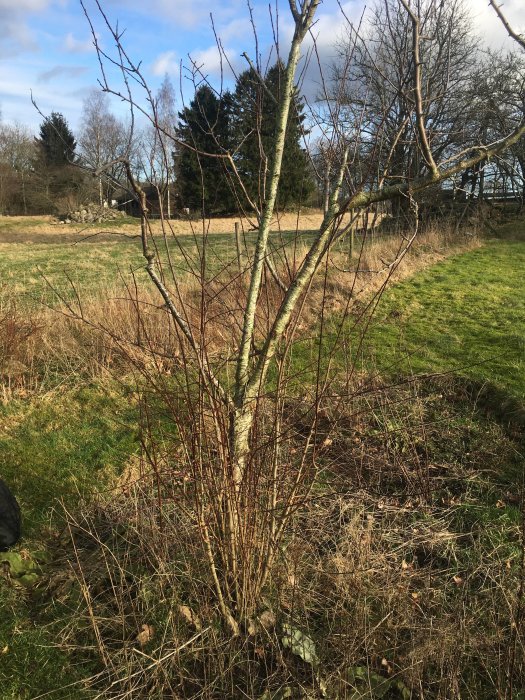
{"points": [[57, 143], [202, 180], [62, 181], [253, 127]]}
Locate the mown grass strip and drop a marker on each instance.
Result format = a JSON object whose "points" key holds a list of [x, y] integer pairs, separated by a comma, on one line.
{"points": [[465, 315]]}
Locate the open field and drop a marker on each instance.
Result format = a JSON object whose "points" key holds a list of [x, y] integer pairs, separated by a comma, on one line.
{"points": [[39, 257], [408, 574], [35, 229], [92, 256]]}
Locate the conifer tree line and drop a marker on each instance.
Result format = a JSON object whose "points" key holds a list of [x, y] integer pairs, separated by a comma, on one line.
{"points": [[241, 122], [38, 174]]}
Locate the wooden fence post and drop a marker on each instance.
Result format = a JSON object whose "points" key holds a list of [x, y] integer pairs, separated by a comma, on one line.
{"points": [[238, 244]]}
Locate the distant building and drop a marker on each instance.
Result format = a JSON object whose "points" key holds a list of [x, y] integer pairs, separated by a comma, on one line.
{"points": [[159, 201]]}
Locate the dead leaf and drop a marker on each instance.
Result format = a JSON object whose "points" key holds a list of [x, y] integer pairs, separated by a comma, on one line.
{"points": [[267, 620], [252, 627], [457, 580], [5, 649], [190, 617], [145, 635]]}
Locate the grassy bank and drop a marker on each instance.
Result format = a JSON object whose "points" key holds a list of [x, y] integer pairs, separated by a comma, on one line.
{"points": [[465, 315]]}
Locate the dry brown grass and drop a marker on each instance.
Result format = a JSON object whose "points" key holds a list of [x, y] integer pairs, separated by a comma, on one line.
{"points": [[378, 572], [110, 324], [17, 229]]}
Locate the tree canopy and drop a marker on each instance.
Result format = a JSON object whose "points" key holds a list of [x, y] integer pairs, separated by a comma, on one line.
{"points": [[242, 123], [254, 116], [57, 143], [203, 181]]}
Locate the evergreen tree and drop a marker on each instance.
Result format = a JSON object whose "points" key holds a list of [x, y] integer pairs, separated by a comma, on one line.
{"points": [[63, 183], [253, 127], [202, 180], [57, 143]]}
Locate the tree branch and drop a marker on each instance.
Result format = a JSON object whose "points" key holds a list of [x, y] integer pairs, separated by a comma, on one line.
{"points": [[301, 27], [206, 372], [321, 244], [259, 77], [514, 35], [420, 120]]}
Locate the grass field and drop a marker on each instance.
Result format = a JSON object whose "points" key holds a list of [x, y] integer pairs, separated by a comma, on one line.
{"points": [[37, 259], [38, 256], [464, 315]]}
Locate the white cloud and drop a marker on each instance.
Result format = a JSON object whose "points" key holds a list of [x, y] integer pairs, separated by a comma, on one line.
{"points": [[186, 14], [16, 35], [15, 95], [239, 28], [213, 63], [166, 63], [22, 6], [77, 45], [191, 13], [489, 27]]}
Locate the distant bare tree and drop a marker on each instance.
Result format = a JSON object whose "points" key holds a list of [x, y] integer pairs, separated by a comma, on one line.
{"points": [[156, 162], [373, 83], [497, 96], [102, 138], [18, 152]]}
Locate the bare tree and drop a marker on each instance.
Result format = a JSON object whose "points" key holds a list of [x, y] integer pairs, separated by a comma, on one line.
{"points": [[103, 138], [18, 153], [162, 155], [155, 144], [374, 81], [245, 485], [497, 96]]}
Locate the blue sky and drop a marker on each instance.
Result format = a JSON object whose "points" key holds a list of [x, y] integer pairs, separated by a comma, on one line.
{"points": [[46, 46]]}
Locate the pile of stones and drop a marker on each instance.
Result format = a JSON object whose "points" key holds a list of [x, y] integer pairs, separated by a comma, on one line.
{"points": [[93, 213]]}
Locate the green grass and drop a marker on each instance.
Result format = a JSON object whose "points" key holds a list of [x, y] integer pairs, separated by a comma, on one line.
{"points": [[32, 270], [465, 315], [66, 446]]}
